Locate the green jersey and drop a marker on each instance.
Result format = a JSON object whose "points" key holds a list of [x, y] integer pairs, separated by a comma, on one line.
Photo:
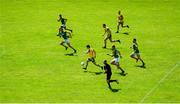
{"points": [[64, 35], [63, 21], [135, 48], [115, 53]]}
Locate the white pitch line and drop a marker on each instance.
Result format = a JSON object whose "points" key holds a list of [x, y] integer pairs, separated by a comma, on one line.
{"points": [[160, 81]]}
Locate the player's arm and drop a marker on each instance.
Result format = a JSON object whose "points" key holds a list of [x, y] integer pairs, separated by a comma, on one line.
{"points": [[65, 20], [105, 31], [105, 70], [59, 19], [136, 44], [118, 18], [59, 32], [122, 17], [119, 54], [132, 47], [87, 51], [109, 54], [94, 53], [70, 35], [109, 31]]}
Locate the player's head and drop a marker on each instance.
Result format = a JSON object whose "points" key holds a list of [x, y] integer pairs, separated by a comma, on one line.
{"points": [[61, 28], [134, 40], [119, 12], [88, 46], [113, 47], [105, 61], [60, 15], [104, 25]]}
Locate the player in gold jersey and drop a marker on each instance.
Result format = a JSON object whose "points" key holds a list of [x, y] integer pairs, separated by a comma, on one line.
{"points": [[108, 34], [120, 19], [91, 57]]}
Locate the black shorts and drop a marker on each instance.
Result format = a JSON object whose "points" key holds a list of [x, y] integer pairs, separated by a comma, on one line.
{"points": [[109, 36], [121, 22], [91, 59], [108, 76]]}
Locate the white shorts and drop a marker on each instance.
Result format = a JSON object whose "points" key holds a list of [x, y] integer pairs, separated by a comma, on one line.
{"points": [[66, 40], [63, 25], [116, 60]]}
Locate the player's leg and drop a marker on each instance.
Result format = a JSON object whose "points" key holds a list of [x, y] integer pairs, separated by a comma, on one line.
{"points": [[105, 42], [119, 67], [94, 62], [115, 61], [110, 39], [124, 26], [139, 57], [121, 24], [86, 65], [72, 47], [64, 26], [118, 24], [108, 77], [109, 85], [114, 81], [68, 29], [62, 43], [68, 43], [133, 56]]}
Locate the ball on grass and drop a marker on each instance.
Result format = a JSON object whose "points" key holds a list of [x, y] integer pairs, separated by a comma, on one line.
{"points": [[82, 63]]}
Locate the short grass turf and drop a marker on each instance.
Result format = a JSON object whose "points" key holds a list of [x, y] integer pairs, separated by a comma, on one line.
{"points": [[33, 67]]}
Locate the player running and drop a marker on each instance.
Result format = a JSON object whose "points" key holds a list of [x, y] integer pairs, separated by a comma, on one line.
{"points": [[107, 32], [108, 73], [91, 57], [120, 19], [62, 33], [116, 54], [136, 54], [63, 22]]}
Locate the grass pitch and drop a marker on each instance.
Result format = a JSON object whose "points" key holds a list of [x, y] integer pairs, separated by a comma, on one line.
{"points": [[33, 67]]}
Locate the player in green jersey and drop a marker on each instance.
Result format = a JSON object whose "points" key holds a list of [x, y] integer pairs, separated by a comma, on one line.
{"points": [[136, 54], [63, 22], [117, 55], [62, 33]]}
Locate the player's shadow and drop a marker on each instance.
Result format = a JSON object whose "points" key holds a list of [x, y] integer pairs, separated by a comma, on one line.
{"points": [[140, 66], [111, 48], [70, 54], [96, 73], [114, 90], [126, 33], [108, 48], [122, 74]]}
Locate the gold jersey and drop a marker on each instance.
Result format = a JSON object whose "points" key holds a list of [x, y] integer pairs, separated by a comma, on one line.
{"points": [[91, 53]]}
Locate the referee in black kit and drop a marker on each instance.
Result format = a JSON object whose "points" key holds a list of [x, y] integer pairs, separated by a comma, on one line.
{"points": [[108, 73]]}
